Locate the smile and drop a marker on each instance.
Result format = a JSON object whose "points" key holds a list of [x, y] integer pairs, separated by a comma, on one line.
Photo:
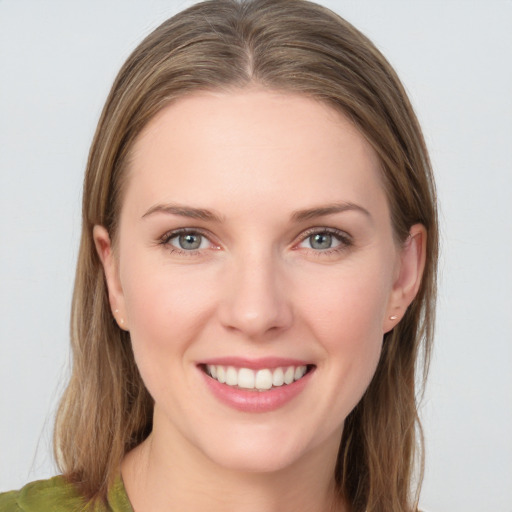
{"points": [[262, 379]]}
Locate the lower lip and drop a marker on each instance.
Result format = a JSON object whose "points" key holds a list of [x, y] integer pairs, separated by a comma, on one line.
{"points": [[256, 401]]}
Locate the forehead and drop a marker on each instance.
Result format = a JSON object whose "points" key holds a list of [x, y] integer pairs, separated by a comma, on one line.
{"points": [[252, 144]]}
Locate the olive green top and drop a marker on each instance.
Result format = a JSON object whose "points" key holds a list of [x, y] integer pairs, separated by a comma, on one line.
{"points": [[57, 495]]}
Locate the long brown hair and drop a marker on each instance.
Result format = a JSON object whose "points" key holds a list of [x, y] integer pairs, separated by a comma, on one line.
{"points": [[287, 45]]}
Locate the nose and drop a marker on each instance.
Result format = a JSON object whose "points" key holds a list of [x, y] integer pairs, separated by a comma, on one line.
{"points": [[254, 300]]}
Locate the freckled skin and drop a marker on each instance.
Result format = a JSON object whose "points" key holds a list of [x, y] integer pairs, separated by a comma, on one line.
{"points": [[256, 287]]}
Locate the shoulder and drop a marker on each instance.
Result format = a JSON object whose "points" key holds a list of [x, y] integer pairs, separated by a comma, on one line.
{"points": [[58, 495], [54, 495]]}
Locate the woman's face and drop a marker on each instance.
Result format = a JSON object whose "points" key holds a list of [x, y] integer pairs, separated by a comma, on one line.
{"points": [[256, 271]]}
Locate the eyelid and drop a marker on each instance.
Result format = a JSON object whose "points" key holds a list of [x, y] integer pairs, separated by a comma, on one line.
{"points": [[344, 237], [173, 233]]}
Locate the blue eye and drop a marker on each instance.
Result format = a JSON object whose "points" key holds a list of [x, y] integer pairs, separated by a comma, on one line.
{"points": [[187, 241], [321, 241], [325, 240]]}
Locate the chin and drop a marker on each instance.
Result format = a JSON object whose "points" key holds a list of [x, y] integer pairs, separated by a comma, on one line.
{"points": [[268, 451], [249, 459]]}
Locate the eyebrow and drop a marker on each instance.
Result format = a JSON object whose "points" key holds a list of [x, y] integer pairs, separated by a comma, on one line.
{"points": [[297, 216], [184, 211], [312, 213]]}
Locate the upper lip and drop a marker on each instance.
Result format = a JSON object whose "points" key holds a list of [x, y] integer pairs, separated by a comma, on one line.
{"points": [[255, 364]]}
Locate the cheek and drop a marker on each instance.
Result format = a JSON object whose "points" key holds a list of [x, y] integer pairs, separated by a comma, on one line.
{"points": [[351, 335], [160, 298], [165, 311], [346, 319], [350, 305]]}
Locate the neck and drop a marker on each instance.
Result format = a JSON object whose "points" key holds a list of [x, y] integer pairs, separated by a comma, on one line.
{"points": [[159, 476]]}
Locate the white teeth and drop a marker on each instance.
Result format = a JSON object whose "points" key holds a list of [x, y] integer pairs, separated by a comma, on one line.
{"points": [[245, 378], [221, 374], [278, 377], [231, 376], [299, 372], [263, 379], [260, 380], [289, 375]]}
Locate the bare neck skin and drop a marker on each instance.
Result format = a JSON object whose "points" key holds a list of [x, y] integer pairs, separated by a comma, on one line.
{"points": [[159, 477]]}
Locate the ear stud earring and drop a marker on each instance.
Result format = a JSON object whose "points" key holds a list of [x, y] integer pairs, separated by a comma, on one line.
{"points": [[393, 317], [121, 320]]}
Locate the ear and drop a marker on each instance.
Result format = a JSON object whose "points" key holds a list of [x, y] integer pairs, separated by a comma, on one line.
{"points": [[111, 269], [408, 276]]}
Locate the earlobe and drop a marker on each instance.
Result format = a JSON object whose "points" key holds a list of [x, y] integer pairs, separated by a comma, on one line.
{"points": [[110, 268], [409, 275]]}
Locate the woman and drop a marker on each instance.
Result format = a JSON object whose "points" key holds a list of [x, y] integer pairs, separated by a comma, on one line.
{"points": [[256, 276]]}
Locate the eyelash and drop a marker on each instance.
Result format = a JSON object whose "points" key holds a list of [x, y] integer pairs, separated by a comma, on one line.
{"points": [[165, 241], [344, 239]]}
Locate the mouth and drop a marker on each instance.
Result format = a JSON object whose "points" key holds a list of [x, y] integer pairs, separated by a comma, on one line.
{"points": [[262, 379]]}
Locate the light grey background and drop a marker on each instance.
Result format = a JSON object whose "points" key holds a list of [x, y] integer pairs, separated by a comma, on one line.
{"points": [[57, 61]]}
